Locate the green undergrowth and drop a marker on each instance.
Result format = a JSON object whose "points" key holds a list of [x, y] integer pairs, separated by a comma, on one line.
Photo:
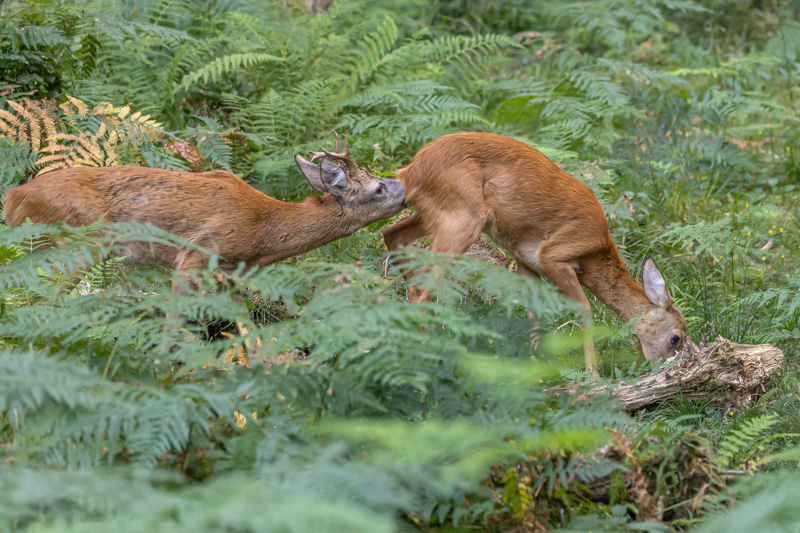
{"points": [[344, 407]]}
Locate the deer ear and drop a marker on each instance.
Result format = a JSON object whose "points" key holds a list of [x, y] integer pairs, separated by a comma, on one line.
{"points": [[333, 178], [655, 288], [326, 177]]}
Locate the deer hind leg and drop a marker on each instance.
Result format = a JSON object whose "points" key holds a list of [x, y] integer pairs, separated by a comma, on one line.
{"points": [[401, 234], [527, 272], [524, 271], [404, 232], [451, 235], [563, 276]]}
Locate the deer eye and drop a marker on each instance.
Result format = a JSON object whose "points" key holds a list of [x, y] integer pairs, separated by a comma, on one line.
{"points": [[674, 340], [381, 189]]}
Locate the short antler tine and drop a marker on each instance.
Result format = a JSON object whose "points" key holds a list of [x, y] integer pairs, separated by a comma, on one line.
{"points": [[347, 155], [337, 155]]}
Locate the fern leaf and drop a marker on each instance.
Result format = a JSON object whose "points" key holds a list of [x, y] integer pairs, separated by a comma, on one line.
{"points": [[742, 440], [372, 50], [222, 66]]}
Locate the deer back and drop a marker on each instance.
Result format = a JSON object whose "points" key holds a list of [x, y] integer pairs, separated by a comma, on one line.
{"points": [[518, 190]]}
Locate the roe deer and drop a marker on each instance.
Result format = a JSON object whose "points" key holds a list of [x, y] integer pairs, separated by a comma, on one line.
{"points": [[215, 210], [466, 183]]}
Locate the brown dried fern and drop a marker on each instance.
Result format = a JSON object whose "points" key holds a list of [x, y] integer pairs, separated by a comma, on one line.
{"points": [[62, 138], [29, 119]]}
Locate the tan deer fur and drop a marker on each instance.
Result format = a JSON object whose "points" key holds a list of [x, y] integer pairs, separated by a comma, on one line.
{"points": [[215, 210], [466, 183]]}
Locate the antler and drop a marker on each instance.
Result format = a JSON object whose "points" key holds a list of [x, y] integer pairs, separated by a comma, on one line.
{"points": [[337, 156]]}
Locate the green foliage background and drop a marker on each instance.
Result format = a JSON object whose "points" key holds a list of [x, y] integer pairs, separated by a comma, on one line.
{"points": [[363, 413]]}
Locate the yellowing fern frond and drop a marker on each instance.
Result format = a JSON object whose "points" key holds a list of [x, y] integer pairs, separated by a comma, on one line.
{"points": [[8, 124], [81, 106], [76, 133], [26, 123]]}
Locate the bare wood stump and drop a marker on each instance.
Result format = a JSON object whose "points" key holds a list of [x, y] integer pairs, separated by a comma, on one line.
{"points": [[727, 374]]}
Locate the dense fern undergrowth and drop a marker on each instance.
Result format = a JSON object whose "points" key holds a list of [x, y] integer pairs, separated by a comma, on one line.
{"points": [[342, 407]]}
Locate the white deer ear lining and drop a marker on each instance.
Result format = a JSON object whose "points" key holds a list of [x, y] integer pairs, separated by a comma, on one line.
{"points": [[655, 288], [312, 173]]}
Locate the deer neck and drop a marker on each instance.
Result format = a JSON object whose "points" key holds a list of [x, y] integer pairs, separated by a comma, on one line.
{"points": [[297, 228], [607, 278]]}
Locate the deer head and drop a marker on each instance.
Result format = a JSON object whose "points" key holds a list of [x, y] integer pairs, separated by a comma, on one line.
{"points": [[367, 197], [662, 329]]}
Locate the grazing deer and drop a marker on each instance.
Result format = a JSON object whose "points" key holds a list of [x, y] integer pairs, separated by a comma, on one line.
{"points": [[215, 210], [466, 183]]}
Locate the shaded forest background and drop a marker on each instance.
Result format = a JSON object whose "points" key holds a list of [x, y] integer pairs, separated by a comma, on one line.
{"points": [[362, 413]]}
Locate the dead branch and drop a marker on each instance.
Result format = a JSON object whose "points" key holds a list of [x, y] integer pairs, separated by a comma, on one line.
{"points": [[725, 374]]}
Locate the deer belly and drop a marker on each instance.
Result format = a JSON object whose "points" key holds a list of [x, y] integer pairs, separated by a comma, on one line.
{"points": [[528, 253], [525, 251], [148, 254]]}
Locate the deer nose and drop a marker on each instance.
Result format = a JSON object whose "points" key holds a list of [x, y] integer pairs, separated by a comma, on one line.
{"points": [[399, 189]]}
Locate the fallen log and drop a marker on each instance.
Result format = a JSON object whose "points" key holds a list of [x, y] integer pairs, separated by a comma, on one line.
{"points": [[723, 373]]}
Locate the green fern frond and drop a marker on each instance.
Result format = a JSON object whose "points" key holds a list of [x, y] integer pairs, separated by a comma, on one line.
{"points": [[741, 443], [36, 36], [119, 28], [372, 49], [222, 66], [464, 51]]}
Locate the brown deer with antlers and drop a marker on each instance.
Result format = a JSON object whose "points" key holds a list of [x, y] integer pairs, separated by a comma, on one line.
{"points": [[466, 183], [215, 210]]}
